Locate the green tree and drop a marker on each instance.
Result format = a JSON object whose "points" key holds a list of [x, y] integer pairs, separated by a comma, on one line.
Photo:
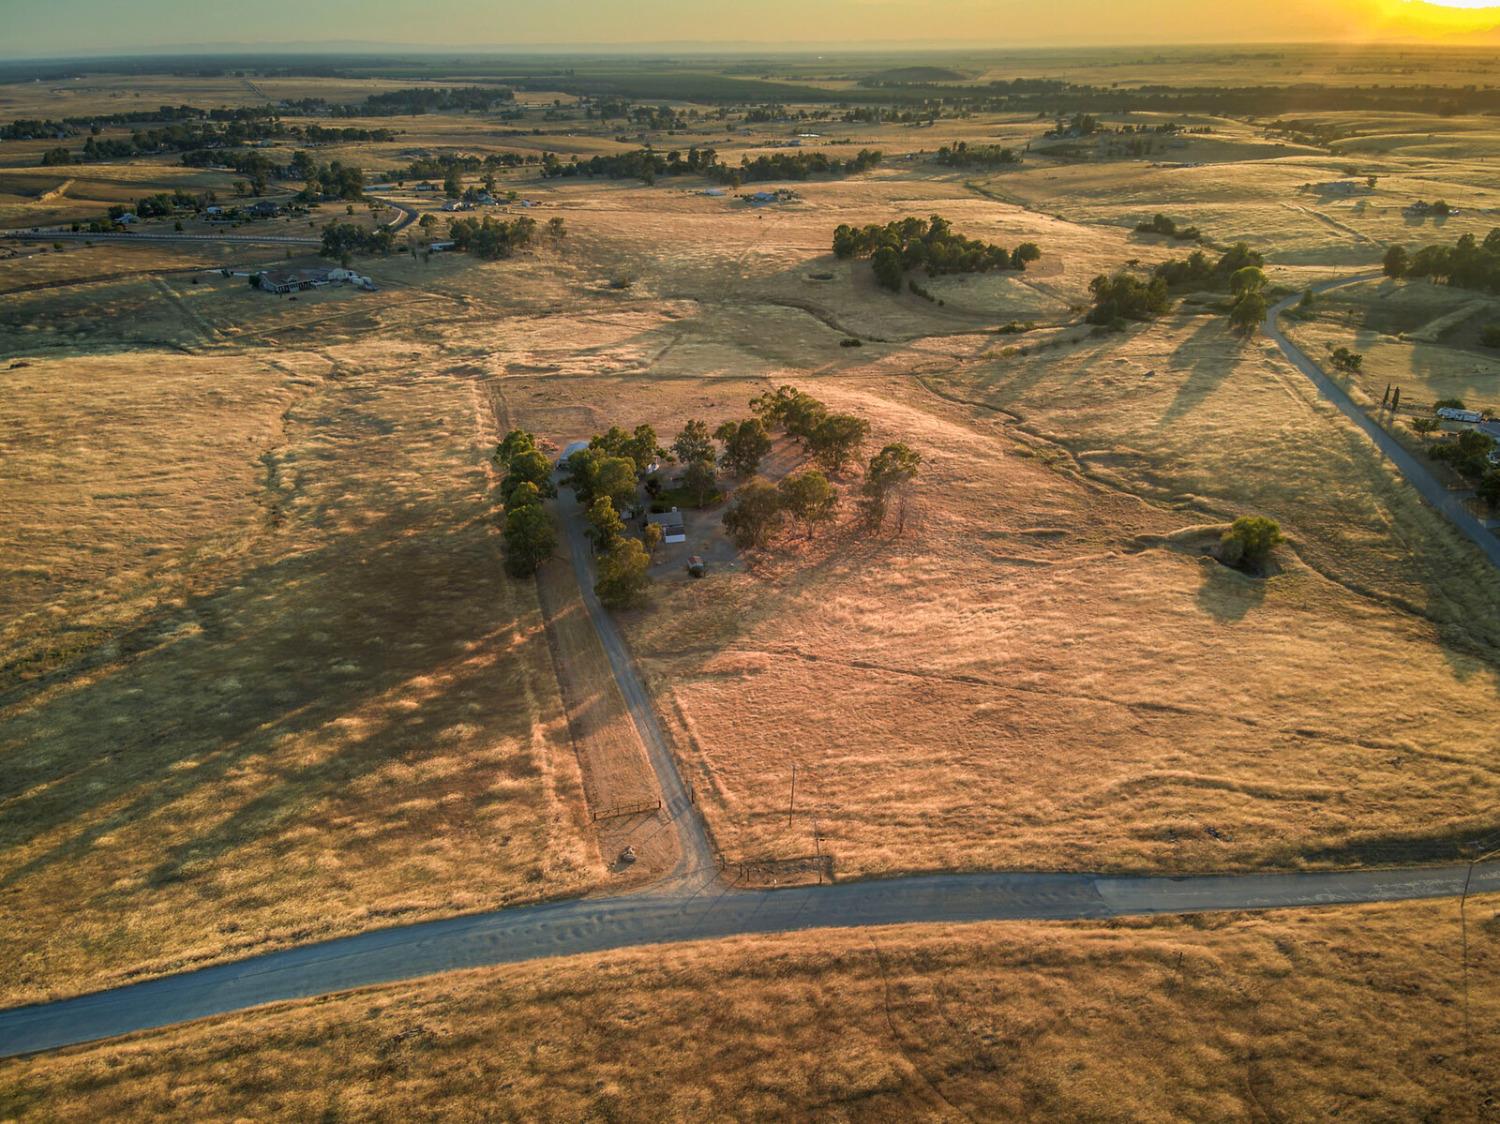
{"points": [[1251, 279], [753, 515], [605, 524], [836, 439], [453, 187], [1488, 488], [524, 494], [639, 447], [1123, 297], [1249, 541], [1248, 312], [789, 409], [694, 443], [1424, 426], [529, 539], [888, 268], [616, 480], [624, 575], [889, 478], [1395, 262], [427, 221], [527, 466], [651, 538], [698, 478], [516, 441], [808, 498], [745, 444]]}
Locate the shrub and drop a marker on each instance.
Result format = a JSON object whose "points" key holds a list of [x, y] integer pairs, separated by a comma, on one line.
{"points": [[1248, 543]]}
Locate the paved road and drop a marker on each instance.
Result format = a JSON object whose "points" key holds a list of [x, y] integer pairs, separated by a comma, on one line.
{"points": [[1417, 474], [574, 927]]}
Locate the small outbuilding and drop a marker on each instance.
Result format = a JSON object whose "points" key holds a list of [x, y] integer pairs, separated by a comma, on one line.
{"points": [[672, 527]]}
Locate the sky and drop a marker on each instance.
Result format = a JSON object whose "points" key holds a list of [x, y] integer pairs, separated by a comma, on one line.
{"points": [[62, 27]]}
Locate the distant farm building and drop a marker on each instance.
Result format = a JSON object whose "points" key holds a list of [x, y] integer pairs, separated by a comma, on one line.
{"points": [[1453, 414], [301, 280], [672, 527]]}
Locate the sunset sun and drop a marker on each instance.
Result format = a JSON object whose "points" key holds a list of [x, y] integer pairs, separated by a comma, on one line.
{"points": [[1442, 16]]}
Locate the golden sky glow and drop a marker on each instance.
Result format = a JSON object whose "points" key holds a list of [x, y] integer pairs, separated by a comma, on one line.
{"points": [[59, 26]]}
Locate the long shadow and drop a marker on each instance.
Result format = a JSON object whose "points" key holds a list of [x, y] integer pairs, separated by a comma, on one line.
{"points": [[280, 650], [1207, 365]]}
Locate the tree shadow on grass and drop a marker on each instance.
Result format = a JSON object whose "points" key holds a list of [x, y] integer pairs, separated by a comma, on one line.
{"points": [[284, 650]]}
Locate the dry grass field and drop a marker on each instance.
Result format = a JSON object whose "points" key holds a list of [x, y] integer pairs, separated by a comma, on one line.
{"points": [[1348, 1014], [262, 679]]}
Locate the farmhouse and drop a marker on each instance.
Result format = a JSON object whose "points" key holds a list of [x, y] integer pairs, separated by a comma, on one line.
{"points": [[300, 280], [670, 522]]}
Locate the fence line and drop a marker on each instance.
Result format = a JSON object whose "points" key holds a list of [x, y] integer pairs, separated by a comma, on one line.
{"points": [[618, 810]]}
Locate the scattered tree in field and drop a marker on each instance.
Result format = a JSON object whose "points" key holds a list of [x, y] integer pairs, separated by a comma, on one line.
{"points": [[605, 524], [809, 498], [529, 539], [888, 479], [651, 538], [1248, 543], [556, 227], [1395, 261], [836, 440], [623, 575], [753, 515], [453, 186], [1307, 305], [1123, 297], [1424, 426], [1346, 360], [745, 444], [693, 443], [427, 221]]}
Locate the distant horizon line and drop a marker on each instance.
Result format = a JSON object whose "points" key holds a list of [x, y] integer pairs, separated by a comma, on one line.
{"points": [[704, 46]]}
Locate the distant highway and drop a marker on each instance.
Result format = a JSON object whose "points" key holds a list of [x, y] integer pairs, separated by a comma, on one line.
{"points": [[1417, 474]]}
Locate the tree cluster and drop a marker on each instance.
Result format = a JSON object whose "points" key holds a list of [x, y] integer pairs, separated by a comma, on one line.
{"points": [[966, 155], [491, 238], [832, 439], [932, 243], [647, 165], [427, 99], [1467, 264], [529, 535], [1162, 224], [343, 238]]}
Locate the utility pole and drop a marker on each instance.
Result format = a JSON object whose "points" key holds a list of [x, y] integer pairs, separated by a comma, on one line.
{"points": [[1463, 925]]}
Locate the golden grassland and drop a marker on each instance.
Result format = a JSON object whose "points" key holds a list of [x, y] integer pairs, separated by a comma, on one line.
{"points": [[1351, 1014], [267, 682], [1421, 337], [264, 678]]}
